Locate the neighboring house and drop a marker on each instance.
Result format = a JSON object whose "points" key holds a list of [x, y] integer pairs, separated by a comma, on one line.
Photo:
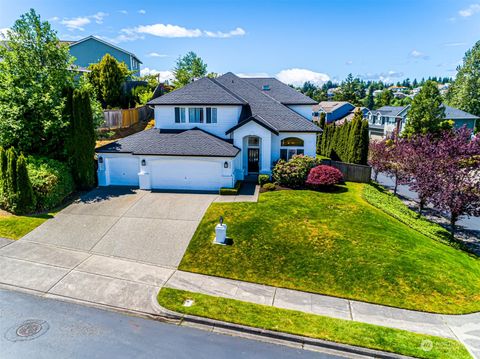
{"points": [[91, 50], [334, 110], [211, 133], [383, 122]]}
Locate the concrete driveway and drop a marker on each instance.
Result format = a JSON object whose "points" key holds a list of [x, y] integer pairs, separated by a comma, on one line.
{"points": [[143, 226], [113, 247]]}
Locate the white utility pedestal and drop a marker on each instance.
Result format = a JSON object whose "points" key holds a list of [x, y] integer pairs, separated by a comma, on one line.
{"points": [[221, 234]]}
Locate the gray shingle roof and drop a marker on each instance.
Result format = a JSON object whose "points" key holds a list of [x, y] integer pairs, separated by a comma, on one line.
{"points": [[456, 114], [278, 116], [391, 110], [204, 91], [279, 91], [194, 142]]}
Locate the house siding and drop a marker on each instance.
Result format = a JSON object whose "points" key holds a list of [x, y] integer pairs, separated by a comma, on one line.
{"points": [[227, 117], [309, 143], [92, 51], [302, 110]]}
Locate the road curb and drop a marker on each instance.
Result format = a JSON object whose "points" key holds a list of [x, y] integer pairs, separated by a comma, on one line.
{"points": [[272, 336]]}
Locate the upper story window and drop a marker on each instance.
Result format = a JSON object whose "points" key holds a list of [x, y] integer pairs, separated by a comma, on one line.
{"points": [[211, 115], [292, 142], [195, 115], [179, 114]]}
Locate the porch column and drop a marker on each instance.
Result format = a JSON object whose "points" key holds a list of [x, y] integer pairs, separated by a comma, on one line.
{"points": [[266, 151]]}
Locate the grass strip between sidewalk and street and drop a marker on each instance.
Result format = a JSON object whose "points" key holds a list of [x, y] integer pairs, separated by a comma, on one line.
{"points": [[313, 326]]}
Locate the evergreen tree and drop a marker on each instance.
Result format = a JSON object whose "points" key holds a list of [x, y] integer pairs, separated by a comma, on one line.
{"points": [[322, 121], [427, 113], [385, 98], [11, 177], [369, 101], [82, 139], [356, 142], [365, 143], [464, 92], [3, 173], [25, 200]]}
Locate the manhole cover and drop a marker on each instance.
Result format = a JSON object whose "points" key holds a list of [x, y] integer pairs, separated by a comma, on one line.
{"points": [[28, 330]]}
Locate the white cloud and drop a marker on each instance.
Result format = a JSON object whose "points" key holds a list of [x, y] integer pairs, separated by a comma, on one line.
{"points": [[349, 62], [298, 77], [236, 32], [252, 74], [142, 12], [164, 75], [388, 76], [162, 30], [418, 55], [453, 44], [469, 11], [55, 18], [124, 12], [78, 23], [173, 31], [98, 17], [156, 54]]}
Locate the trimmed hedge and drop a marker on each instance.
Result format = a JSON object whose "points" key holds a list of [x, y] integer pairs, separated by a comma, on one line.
{"points": [[224, 191], [262, 179], [392, 205], [51, 180]]}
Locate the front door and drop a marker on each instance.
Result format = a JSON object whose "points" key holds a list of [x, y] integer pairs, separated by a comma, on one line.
{"points": [[253, 159]]}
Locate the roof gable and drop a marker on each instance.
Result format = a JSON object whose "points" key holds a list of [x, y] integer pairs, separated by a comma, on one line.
{"points": [[280, 91], [94, 38], [204, 91]]}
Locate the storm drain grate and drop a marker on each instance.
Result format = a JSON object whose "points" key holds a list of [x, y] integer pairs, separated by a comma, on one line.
{"points": [[28, 330]]}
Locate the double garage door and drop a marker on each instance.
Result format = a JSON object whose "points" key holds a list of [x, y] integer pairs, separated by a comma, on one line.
{"points": [[168, 173]]}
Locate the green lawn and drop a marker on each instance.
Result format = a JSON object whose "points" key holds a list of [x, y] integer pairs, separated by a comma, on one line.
{"points": [[15, 227], [315, 326], [335, 244]]}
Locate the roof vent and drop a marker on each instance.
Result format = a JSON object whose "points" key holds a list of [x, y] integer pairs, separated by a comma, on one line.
{"points": [[266, 87]]}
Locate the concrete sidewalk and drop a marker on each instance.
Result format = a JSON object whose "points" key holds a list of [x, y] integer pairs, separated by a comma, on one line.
{"points": [[124, 284]]}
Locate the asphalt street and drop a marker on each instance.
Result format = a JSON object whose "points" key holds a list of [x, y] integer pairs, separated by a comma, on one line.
{"points": [[36, 327]]}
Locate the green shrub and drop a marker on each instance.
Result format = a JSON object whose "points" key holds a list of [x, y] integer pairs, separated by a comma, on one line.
{"points": [[25, 201], [392, 205], [269, 186], [294, 172], [224, 191], [262, 179], [51, 181]]}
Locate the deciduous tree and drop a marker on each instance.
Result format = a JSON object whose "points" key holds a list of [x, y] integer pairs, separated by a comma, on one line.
{"points": [[187, 68]]}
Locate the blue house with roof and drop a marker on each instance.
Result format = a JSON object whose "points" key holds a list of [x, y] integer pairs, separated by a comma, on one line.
{"points": [[91, 50]]}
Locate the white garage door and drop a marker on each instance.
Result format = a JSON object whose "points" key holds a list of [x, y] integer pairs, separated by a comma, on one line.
{"points": [[186, 174], [123, 171]]}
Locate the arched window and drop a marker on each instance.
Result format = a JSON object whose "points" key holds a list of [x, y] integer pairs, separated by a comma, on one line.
{"points": [[292, 142], [290, 147]]}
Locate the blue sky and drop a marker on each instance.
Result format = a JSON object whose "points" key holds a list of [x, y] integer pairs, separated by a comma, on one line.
{"points": [[293, 40]]}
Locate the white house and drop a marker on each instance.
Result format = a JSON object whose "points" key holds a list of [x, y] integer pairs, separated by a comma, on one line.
{"points": [[211, 133]]}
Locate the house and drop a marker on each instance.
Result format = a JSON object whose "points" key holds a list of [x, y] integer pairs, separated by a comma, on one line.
{"points": [[334, 110], [385, 120], [91, 50], [210, 134]]}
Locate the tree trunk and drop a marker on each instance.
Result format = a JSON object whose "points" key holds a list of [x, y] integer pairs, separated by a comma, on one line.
{"points": [[453, 220], [375, 177], [396, 185], [421, 206]]}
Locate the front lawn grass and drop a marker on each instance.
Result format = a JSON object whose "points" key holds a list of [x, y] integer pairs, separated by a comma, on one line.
{"points": [[314, 326], [335, 244], [15, 227]]}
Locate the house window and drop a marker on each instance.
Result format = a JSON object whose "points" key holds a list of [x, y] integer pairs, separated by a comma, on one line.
{"points": [[294, 146], [253, 141], [195, 115], [179, 114], [287, 153], [211, 115], [292, 142]]}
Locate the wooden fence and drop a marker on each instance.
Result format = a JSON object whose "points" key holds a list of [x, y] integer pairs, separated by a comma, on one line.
{"points": [[126, 118], [351, 172]]}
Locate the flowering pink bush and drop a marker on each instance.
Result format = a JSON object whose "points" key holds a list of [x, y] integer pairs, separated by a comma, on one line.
{"points": [[323, 176]]}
